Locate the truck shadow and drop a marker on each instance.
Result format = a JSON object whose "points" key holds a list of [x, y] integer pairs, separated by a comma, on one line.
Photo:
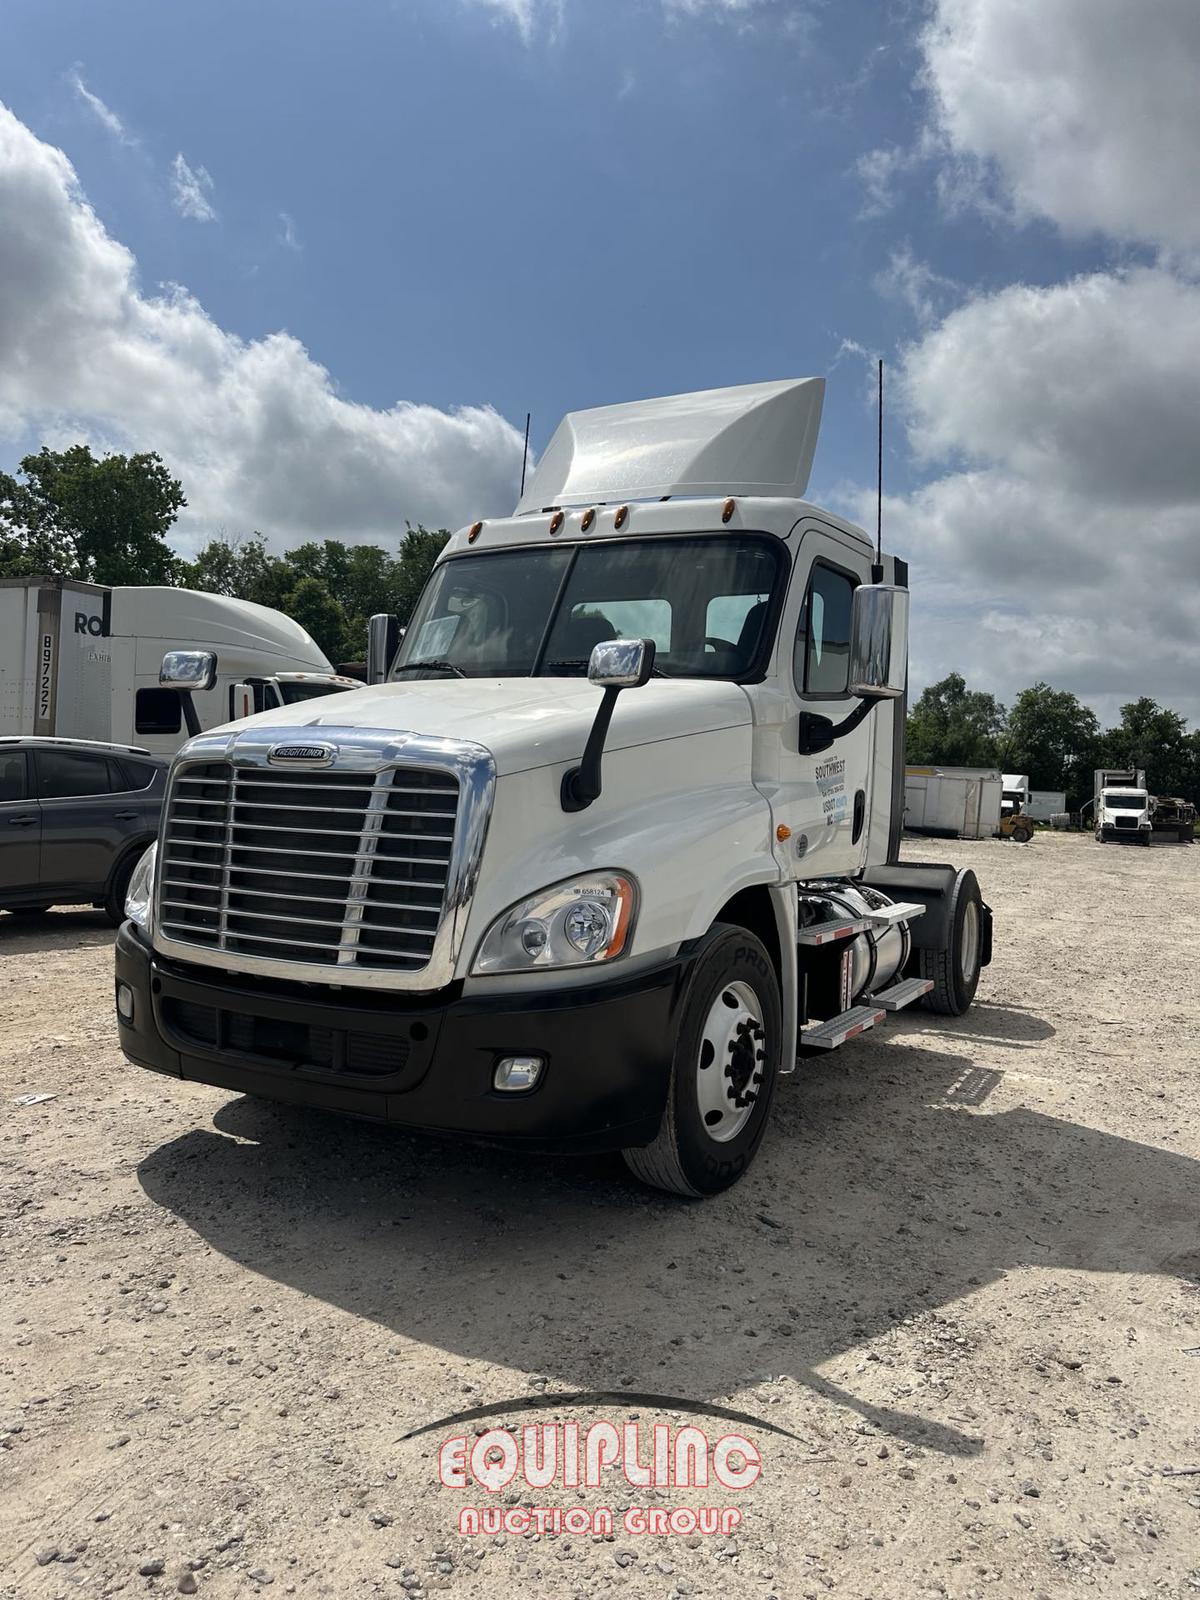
{"points": [[63, 928], [880, 1194]]}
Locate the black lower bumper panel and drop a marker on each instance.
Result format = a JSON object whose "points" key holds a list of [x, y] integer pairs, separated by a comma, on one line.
{"points": [[421, 1062]]}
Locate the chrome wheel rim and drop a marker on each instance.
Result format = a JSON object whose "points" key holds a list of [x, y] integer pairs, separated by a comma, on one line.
{"points": [[970, 941], [730, 1061]]}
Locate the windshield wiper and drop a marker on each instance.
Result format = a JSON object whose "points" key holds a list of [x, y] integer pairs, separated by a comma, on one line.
{"points": [[581, 664], [430, 666]]}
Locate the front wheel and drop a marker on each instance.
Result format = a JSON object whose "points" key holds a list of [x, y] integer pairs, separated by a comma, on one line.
{"points": [[1022, 835], [955, 965], [114, 899], [723, 1071]]}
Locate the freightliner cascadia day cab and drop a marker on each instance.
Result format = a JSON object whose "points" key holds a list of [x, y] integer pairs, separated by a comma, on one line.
{"points": [[612, 846], [81, 660]]}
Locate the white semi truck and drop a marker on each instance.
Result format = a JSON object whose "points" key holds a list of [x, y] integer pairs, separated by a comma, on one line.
{"points": [[612, 846], [81, 660], [1123, 806]]}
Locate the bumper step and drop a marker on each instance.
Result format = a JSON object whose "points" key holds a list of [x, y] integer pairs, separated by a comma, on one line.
{"points": [[901, 911], [829, 1035], [901, 994], [827, 932]]}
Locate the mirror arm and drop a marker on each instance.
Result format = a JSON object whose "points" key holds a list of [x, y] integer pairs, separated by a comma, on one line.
{"points": [[581, 785], [817, 733], [188, 706]]}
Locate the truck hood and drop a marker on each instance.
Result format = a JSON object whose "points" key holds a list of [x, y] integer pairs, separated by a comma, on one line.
{"points": [[524, 722]]}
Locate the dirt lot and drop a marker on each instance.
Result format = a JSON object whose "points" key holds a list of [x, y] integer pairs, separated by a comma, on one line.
{"points": [[964, 1278]]}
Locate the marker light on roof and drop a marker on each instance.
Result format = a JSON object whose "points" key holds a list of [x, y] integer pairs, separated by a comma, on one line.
{"points": [[474, 531]]}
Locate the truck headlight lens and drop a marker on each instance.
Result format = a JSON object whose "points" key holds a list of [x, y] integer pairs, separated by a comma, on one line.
{"points": [[139, 896], [569, 925]]}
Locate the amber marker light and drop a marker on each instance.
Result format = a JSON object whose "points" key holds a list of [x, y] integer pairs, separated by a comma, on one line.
{"points": [[588, 518], [557, 520], [783, 832], [624, 911], [474, 531], [729, 508], [622, 515]]}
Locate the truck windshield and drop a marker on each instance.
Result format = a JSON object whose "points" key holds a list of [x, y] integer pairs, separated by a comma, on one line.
{"points": [[538, 612], [1125, 797]]}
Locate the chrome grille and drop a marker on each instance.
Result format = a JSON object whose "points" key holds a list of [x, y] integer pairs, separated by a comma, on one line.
{"points": [[343, 869]]}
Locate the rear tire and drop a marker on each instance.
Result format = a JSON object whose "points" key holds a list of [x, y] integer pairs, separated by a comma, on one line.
{"points": [[114, 899], [723, 1071], [1022, 835], [955, 966]]}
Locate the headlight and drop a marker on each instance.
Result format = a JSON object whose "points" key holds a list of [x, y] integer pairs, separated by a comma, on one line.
{"points": [[139, 896], [570, 925]]}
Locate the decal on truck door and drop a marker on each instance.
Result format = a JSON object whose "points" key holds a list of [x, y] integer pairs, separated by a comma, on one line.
{"points": [[831, 786]]}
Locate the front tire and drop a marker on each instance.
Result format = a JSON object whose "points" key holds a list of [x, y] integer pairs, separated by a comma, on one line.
{"points": [[114, 899], [723, 1071], [955, 966]]}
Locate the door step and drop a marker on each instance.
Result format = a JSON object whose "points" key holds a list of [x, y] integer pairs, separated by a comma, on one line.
{"points": [[901, 911], [829, 1035], [901, 994], [828, 932]]}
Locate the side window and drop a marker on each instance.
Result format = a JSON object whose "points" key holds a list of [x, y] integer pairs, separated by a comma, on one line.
{"points": [[12, 775], [68, 774], [158, 711], [821, 659], [135, 774]]}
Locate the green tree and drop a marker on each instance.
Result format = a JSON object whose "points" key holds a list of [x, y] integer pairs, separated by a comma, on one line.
{"points": [[1054, 739], [101, 518], [954, 726], [241, 567], [421, 548], [1153, 737], [311, 605]]}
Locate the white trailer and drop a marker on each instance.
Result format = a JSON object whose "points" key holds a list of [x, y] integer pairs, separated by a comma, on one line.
{"points": [[953, 802], [1015, 794], [81, 661], [1123, 809], [612, 846], [1044, 804]]}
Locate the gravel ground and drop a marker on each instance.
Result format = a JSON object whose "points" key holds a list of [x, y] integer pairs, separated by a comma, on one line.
{"points": [[963, 1278]]}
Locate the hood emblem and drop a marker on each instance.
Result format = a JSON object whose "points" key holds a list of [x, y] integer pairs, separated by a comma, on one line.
{"points": [[301, 755]]}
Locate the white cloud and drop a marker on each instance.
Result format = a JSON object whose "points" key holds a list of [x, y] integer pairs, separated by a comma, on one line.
{"points": [[529, 17], [255, 428], [914, 285], [190, 189], [1065, 541], [105, 115], [1088, 111], [288, 236]]}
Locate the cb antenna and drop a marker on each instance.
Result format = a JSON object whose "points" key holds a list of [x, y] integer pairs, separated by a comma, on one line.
{"points": [[877, 575], [525, 457]]}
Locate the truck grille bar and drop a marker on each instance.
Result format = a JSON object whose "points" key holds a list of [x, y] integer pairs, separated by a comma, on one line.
{"points": [[330, 869]]}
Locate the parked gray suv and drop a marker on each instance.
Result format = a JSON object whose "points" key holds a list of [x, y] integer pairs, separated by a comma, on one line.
{"points": [[74, 818]]}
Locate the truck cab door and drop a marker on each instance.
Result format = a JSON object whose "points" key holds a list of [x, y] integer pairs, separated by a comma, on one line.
{"points": [[824, 799], [20, 825]]}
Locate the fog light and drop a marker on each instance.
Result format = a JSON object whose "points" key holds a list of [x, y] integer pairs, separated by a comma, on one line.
{"points": [[518, 1073], [125, 1002]]}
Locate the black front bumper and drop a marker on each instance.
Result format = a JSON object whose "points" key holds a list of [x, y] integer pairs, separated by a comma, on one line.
{"points": [[421, 1062]]}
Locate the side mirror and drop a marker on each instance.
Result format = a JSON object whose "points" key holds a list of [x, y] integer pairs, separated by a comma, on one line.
{"points": [[615, 665], [622, 663], [185, 671], [383, 640], [188, 670], [241, 701], [879, 641]]}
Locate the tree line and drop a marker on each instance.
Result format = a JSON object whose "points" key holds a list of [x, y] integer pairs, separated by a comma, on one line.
{"points": [[105, 519], [1050, 735]]}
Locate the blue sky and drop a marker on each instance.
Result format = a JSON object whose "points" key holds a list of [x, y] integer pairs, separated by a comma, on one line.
{"points": [[546, 204]]}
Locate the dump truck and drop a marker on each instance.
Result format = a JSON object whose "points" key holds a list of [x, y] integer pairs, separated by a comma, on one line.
{"points": [[608, 846]]}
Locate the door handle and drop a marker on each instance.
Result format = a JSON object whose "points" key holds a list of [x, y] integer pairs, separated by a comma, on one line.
{"points": [[22, 822], [125, 816]]}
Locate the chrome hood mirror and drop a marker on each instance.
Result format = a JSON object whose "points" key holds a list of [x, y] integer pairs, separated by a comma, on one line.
{"points": [[188, 670], [621, 663]]}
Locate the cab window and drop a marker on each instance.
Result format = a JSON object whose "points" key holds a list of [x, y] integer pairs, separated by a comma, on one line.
{"points": [[821, 658]]}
